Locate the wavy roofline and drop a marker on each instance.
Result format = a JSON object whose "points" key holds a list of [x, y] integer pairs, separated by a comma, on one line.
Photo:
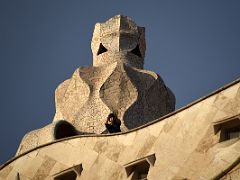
{"points": [[132, 130]]}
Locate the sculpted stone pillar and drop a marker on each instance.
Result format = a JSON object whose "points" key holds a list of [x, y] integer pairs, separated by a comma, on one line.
{"points": [[115, 83]]}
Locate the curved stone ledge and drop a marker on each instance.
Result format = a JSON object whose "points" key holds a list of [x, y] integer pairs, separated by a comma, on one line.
{"points": [[184, 143]]}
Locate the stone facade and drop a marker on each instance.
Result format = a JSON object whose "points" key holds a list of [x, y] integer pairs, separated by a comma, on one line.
{"points": [[115, 83], [197, 142], [183, 145]]}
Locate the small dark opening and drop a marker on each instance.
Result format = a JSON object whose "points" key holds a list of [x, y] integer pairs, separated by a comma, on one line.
{"points": [[139, 171], [101, 49], [70, 175], [229, 130], [136, 51], [142, 170], [232, 133], [64, 129]]}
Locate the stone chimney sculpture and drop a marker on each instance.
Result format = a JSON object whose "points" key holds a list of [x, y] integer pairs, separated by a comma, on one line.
{"points": [[115, 83]]}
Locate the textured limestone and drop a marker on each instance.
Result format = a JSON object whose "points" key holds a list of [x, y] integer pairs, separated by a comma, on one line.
{"points": [[115, 83], [185, 146]]}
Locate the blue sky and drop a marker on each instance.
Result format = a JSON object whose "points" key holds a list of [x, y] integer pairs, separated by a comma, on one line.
{"points": [[193, 45]]}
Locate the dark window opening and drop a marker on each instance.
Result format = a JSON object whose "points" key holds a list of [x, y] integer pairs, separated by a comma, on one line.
{"points": [[142, 170], [70, 175], [232, 133], [101, 49], [64, 129], [136, 51], [139, 169], [229, 129]]}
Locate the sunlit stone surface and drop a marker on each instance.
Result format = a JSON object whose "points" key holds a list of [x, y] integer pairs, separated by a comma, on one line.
{"points": [[198, 142]]}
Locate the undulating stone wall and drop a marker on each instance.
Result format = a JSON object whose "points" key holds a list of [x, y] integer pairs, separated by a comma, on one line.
{"points": [[184, 143], [115, 83]]}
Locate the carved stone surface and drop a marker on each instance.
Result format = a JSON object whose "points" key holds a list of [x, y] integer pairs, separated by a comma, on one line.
{"points": [[115, 83], [183, 145]]}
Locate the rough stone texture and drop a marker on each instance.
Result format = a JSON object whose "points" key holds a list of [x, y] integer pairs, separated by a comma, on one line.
{"points": [[116, 83], [234, 174], [184, 143]]}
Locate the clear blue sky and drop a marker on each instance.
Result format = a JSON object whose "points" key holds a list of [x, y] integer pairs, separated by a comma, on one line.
{"points": [[193, 45]]}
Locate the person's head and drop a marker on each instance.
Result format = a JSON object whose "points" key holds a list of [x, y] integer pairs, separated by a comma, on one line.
{"points": [[111, 118]]}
